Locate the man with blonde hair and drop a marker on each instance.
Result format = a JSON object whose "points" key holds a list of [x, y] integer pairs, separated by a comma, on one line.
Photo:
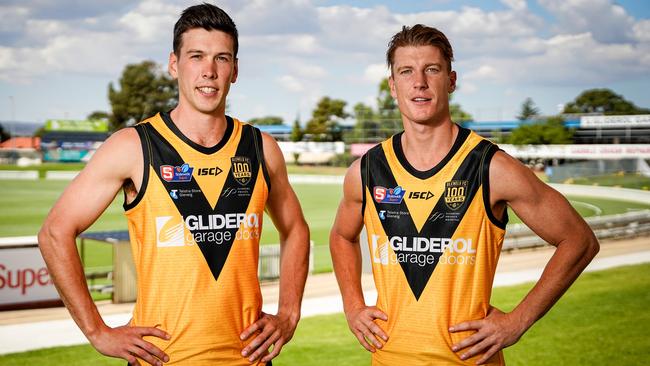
{"points": [[434, 200]]}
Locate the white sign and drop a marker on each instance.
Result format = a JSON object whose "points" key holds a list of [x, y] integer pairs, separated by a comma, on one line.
{"points": [[641, 120], [589, 152], [287, 147], [24, 277]]}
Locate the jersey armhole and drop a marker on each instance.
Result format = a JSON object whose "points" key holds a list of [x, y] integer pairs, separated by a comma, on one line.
{"points": [[259, 150], [363, 167], [146, 158], [484, 171]]}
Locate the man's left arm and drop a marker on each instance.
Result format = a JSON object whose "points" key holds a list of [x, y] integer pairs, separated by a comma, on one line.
{"points": [[550, 216], [284, 209]]}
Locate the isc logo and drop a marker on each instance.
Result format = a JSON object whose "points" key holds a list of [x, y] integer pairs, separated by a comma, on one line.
{"points": [[210, 171], [420, 195]]}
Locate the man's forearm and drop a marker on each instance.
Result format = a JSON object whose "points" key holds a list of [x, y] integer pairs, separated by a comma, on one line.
{"points": [[294, 265], [64, 266], [346, 258]]}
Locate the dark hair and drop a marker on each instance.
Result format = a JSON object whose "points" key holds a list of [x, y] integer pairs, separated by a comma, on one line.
{"points": [[208, 17], [420, 35]]}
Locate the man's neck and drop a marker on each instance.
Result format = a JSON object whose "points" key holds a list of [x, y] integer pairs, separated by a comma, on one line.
{"points": [[204, 129], [424, 146]]}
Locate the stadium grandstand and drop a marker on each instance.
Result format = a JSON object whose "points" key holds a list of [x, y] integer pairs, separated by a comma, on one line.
{"points": [[72, 140], [279, 132], [589, 129], [22, 145]]}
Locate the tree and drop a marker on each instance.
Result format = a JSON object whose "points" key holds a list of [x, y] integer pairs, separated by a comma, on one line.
{"points": [[296, 131], [602, 101], [457, 113], [551, 131], [528, 110], [98, 115], [324, 124], [367, 126], [386, 105], [144, 91], [4, 135], [388, 115], [268, 120]]}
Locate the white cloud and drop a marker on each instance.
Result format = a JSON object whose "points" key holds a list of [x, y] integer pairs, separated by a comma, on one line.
{"points": [[517, 5], [466, 87], [264, 17], [374, 73], [304, 70], [290, 83], [483, 72], [642, 31], [347, 29], [608, 22], [148, 19], [304, 50]]}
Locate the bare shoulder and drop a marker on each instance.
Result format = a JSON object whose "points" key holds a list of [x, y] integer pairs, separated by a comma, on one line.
{"points": [[272, 154], [352, 189], [511, 180], [125, 139], [120, 154]]}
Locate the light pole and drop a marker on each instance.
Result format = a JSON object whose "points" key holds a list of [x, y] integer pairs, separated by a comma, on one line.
{"points": [[12, 103]]}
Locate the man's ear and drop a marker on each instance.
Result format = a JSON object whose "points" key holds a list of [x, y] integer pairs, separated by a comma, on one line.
{"points": [[235, 71], [452, 81], [172, 66], [391, 86]]}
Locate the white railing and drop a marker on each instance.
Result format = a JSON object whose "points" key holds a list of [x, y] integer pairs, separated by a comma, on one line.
{"points": [[269, 263], [630, 224]]}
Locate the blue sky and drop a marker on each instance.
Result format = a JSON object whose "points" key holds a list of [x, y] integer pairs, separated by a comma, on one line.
{"points": [[57, 57]]}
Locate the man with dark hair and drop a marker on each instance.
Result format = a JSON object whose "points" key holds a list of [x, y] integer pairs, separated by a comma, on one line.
{"points": [[434, 200], [196, 184]]}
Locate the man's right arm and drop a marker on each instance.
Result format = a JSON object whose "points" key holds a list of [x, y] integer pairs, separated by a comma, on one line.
{"points": [[346, 257], [83, 201]]}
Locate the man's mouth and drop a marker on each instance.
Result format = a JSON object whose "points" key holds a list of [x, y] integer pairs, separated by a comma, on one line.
{"points": [[207, 89]]}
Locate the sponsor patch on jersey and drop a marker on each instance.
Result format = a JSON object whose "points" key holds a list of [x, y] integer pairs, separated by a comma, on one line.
{"points": [[446, 216], [172, 173], [424, 195], [170, 231], [174, 194], [236, 192], [210, 171], [241, 169], [388, 195], [455, 193]]}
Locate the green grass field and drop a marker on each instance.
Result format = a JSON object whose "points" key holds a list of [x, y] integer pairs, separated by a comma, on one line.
{"points": [[634, 181], [26, 203], [601, 320]]}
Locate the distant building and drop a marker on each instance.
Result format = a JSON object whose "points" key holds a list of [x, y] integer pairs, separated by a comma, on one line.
{"points": [[627, 129], [21, 143], [278, 132], [72, 140]]}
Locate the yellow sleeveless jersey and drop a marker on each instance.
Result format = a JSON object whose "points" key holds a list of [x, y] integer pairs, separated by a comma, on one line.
{"points": [[434, 245], [195, 227]]}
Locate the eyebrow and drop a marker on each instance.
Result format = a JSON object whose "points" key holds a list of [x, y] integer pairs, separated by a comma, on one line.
{"points": [[203, 52], [400, 68], [434, 64]]}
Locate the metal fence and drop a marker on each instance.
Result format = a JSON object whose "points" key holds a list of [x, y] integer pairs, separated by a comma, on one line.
{"points": [[631, 224], [269, 264]]}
